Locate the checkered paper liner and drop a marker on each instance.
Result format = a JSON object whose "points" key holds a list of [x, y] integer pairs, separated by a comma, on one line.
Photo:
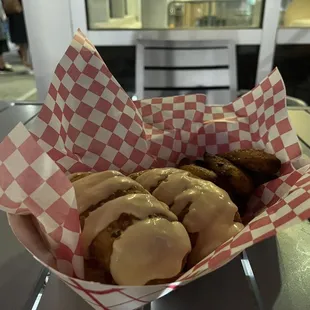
{"points": [[88, 123]]}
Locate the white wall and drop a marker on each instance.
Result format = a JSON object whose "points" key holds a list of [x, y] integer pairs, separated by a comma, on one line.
{"points": [[49, 32]]}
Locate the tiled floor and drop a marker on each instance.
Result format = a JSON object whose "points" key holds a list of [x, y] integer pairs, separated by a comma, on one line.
{"points": [[18, 85]]}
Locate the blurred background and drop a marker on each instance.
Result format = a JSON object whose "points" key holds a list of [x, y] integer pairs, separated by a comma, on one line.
{"points": [[263, 33]]}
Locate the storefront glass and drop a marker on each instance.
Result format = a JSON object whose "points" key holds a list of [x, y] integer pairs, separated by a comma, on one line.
{"points": [[121, 61], [295, 13], [292, 61], [167, 14]]}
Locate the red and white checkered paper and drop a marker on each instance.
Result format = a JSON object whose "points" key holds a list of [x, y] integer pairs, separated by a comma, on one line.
{"points": [[89, 123]]}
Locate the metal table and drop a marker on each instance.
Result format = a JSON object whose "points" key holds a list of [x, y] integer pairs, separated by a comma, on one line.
{"points": [[243, 284], [19, 272]]}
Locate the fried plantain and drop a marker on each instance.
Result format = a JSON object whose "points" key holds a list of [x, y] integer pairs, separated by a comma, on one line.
{"points": [[254, 160], [232, 179]]}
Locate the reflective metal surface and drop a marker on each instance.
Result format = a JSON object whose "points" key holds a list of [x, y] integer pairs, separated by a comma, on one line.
{"points": [[282, 269], [20, 274], [274, 274]]}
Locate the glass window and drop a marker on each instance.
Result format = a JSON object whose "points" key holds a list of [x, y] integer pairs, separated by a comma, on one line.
{"points": [[247, 59], [121, 62], [295, 13], [293, 63], [167, 14]]}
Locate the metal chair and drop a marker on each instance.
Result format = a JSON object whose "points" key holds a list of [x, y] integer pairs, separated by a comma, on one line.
{"points": [[168, 68], [295, 102]]}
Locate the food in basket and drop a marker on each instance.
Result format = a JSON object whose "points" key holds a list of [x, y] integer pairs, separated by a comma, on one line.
{"points": [[128, 236], [237, 181], [254, 160], [205, 210], [259, 165], [238, 172], [201, 173], [130, 223]]}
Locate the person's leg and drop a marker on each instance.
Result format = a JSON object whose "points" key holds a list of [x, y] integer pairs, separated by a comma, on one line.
{"points": [[23, 53], [4, 67], [2, 63]]}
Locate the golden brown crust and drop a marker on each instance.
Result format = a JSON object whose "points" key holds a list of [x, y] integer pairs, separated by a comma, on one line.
{"points": [[254, 160], [233, 179], [94, 271], [102, 246], [132, 190], [259, 178], [237, 218]]}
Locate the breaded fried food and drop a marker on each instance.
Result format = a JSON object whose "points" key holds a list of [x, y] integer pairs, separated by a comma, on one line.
{"points": [[94, 271], [206, 210], [102, 246], [134, 175], [237, 218], [78, 175], [184, 161], [254, 160], [201, 172], [237, 182], [259, 178], [122, 224], [199, 163]]}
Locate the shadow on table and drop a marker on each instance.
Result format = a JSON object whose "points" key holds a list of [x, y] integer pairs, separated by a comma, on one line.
{"points": [[265, 263], [19, 280], [225, 288]]}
